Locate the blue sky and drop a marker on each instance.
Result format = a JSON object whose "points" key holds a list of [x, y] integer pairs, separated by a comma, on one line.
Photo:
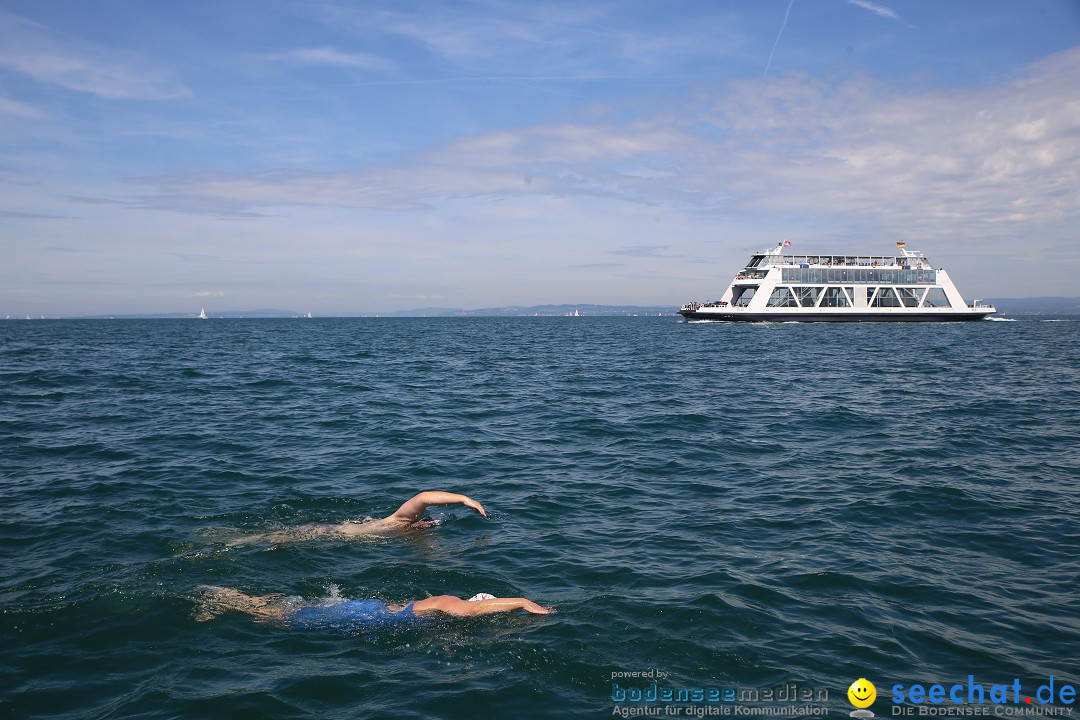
{"points": [[364, 157]]}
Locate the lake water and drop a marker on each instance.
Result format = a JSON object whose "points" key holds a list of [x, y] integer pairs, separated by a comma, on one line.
{"points": [[735, 506]]}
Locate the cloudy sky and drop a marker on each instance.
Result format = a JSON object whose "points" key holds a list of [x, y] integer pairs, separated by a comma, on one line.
{"points": [[357, 157]]}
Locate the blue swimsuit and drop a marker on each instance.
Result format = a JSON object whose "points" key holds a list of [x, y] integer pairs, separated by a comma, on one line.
{"points": [[353, 613]]}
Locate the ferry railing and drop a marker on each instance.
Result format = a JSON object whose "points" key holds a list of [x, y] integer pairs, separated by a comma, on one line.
{"points": [[845, 260], [694, 305]]}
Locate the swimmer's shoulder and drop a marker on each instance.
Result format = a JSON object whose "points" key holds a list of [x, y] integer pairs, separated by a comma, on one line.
{"points": [[371, 527]]}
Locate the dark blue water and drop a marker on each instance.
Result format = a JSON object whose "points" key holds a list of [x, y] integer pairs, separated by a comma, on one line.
{"points": [[735, 505]]}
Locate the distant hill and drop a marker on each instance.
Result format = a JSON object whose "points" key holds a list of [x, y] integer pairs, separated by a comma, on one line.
{"points": [[544, 311], [1036, 305], [511, 311], [261, 313], [423, 312]]}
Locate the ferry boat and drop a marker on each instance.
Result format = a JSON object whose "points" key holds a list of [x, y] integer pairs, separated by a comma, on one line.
{"points": [[774, 287]]}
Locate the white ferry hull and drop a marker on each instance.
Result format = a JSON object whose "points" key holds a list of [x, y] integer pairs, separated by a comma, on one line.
{"points": [[803, 316]]}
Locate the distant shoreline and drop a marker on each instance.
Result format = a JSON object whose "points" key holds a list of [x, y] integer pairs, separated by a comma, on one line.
{"points": [[1006, 307]]}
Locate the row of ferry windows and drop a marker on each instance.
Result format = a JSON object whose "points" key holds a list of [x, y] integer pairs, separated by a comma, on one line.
{"points": [[860, 275], [842, 297]]}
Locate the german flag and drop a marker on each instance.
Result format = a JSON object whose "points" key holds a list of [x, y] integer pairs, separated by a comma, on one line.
{"points": [[901, 244]]}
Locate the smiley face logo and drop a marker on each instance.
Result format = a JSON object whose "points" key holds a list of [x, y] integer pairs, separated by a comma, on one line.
{"points": [[862, 693]]}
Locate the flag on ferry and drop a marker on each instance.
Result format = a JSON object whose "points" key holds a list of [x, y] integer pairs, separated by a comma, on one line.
{"points": [[901, 244], [787, 243]]}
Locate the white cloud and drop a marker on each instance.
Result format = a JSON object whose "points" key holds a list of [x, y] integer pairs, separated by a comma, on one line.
{"points": [[332, 57], [47, 56], [962, 163], [450, 32], [18, 109], [408, 188], [957, 161], [876, 9], [566, 159], [545, 38]]}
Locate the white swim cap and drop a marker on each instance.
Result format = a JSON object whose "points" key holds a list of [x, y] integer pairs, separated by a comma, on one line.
{"points": [[481, 596]]}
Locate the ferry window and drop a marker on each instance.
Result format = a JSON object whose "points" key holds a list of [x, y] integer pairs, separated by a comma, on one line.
{"points": [[935, 297], [742, 296], [835, 297], [909, 296], [885, 298], [782, 297], [801, 275], [861, 275], [807, 296]]}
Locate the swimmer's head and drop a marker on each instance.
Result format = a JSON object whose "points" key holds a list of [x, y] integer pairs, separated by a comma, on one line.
{"points": [[428, 521]]}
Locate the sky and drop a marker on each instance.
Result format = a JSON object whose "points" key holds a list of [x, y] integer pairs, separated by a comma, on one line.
{"points": [[366, 157]]}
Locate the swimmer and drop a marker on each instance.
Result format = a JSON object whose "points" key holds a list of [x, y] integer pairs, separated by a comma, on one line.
{"points": [[353, 613], [407, 517]]}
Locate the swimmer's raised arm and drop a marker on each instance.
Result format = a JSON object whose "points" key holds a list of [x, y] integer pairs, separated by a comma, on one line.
{"points": [[465, 608], [414, 508]]}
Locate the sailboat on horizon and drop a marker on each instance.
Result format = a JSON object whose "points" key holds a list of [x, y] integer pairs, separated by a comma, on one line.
{"points": [[202, 314]]}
